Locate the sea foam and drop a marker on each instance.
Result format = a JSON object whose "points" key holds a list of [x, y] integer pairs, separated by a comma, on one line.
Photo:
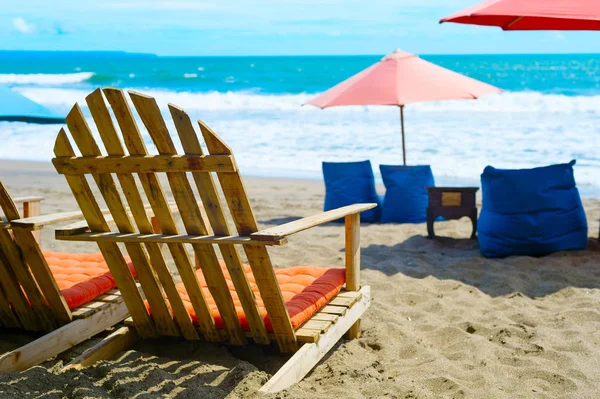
{"points": [[44, 78], [526, 102]]}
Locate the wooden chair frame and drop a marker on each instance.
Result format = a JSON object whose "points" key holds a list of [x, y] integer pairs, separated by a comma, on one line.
{"points": [[127, 159], [29, 297]]}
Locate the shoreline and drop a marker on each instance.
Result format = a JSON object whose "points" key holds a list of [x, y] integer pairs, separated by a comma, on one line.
{"points": [[16, 167]]}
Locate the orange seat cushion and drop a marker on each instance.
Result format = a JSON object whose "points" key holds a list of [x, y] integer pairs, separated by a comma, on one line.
{"points": [[81, 277], [305, 290]]}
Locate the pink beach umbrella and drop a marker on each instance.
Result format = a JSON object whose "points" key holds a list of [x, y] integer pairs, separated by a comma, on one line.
{"points": [[532, 14], [399, 79]]}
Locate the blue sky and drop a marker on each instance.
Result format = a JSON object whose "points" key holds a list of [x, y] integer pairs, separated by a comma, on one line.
{"points": [[261, 27]]}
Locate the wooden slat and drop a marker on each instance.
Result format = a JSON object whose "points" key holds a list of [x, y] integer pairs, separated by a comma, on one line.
{"points": [[320, 325], [296, 226], [147, 275], [89, 309], [14, 293], [352, 260], [32, 254], [83, 313], [38, 222], [153, 189], [34, 306], [344, 301], [307, 335], [336, 310], [82, 226], [123, 114], [120, 340], [87, 145], [214, 210], [258, 257], [309, 355], [56, 342], [143, 164], [25, 257], [191, 216], [348, 294], [163, 238], [33, 310], [97, 305], [111, 252], [104, 124], [7, 316], [325, 317], [111, 298]]}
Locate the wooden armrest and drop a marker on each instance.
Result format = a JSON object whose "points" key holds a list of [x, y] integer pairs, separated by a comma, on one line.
{"points": [[32, 198], [281, 231], [38, 222], [82, 226]]}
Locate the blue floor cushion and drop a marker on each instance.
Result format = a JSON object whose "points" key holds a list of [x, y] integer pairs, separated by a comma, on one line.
{"points": [[531, 212], [348, 183], [406, 197]]}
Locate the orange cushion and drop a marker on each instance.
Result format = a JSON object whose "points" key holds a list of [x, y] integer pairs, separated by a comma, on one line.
{"points": [[81, 277], [305, 290]]}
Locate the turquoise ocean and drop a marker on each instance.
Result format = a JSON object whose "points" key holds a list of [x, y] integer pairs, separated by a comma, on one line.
{"points": [[549, 112]]}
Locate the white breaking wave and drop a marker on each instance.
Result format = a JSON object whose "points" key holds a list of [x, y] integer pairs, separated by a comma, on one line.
{"points": [[525, 102], [457, 138], [45, 78]]}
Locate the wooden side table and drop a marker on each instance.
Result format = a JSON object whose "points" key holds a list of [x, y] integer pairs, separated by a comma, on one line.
{"points": [[451, 203]]}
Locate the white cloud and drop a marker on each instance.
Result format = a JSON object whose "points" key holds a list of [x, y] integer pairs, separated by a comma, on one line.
{"points": [[20, 25]]}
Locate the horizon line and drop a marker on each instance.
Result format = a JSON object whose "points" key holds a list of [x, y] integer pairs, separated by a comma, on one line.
{"points": [[276, 55]]}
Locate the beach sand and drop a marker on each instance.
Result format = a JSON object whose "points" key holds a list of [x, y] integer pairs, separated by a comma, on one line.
{"points": [[445, 322]]}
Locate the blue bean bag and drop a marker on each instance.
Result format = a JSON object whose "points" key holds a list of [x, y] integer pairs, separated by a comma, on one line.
{"points": [[348, 183], [406, 197], [530, 212]]}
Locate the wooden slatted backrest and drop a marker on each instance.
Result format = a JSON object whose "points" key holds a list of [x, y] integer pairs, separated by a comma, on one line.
{"points": [[126, 158], [29, 296]]}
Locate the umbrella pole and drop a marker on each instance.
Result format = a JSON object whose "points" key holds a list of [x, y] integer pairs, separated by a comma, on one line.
{"points": [[402, 125]]}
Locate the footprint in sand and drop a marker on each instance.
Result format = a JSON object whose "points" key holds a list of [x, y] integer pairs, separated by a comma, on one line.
{"points": [[546, 381], [444, 386]]}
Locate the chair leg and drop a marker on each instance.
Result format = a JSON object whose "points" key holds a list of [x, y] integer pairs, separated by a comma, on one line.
{"points": [[30, 209], [430, 220], [474, 222], [307, 357], [355, 331], [352, 238]]}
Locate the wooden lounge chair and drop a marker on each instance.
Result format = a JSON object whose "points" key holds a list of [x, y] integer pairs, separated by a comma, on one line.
{"points": [[42, 291], [222, 300]]}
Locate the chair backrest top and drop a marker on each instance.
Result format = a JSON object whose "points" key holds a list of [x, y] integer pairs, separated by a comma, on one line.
{"points": [[121, 153], [29, 296]]}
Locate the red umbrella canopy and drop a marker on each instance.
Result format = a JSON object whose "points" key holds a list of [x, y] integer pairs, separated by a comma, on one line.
{"points": [[532, 14], [402, 78]]}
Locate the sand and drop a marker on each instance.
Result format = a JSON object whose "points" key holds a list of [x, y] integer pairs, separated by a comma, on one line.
{"points": [[445, 322]]}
